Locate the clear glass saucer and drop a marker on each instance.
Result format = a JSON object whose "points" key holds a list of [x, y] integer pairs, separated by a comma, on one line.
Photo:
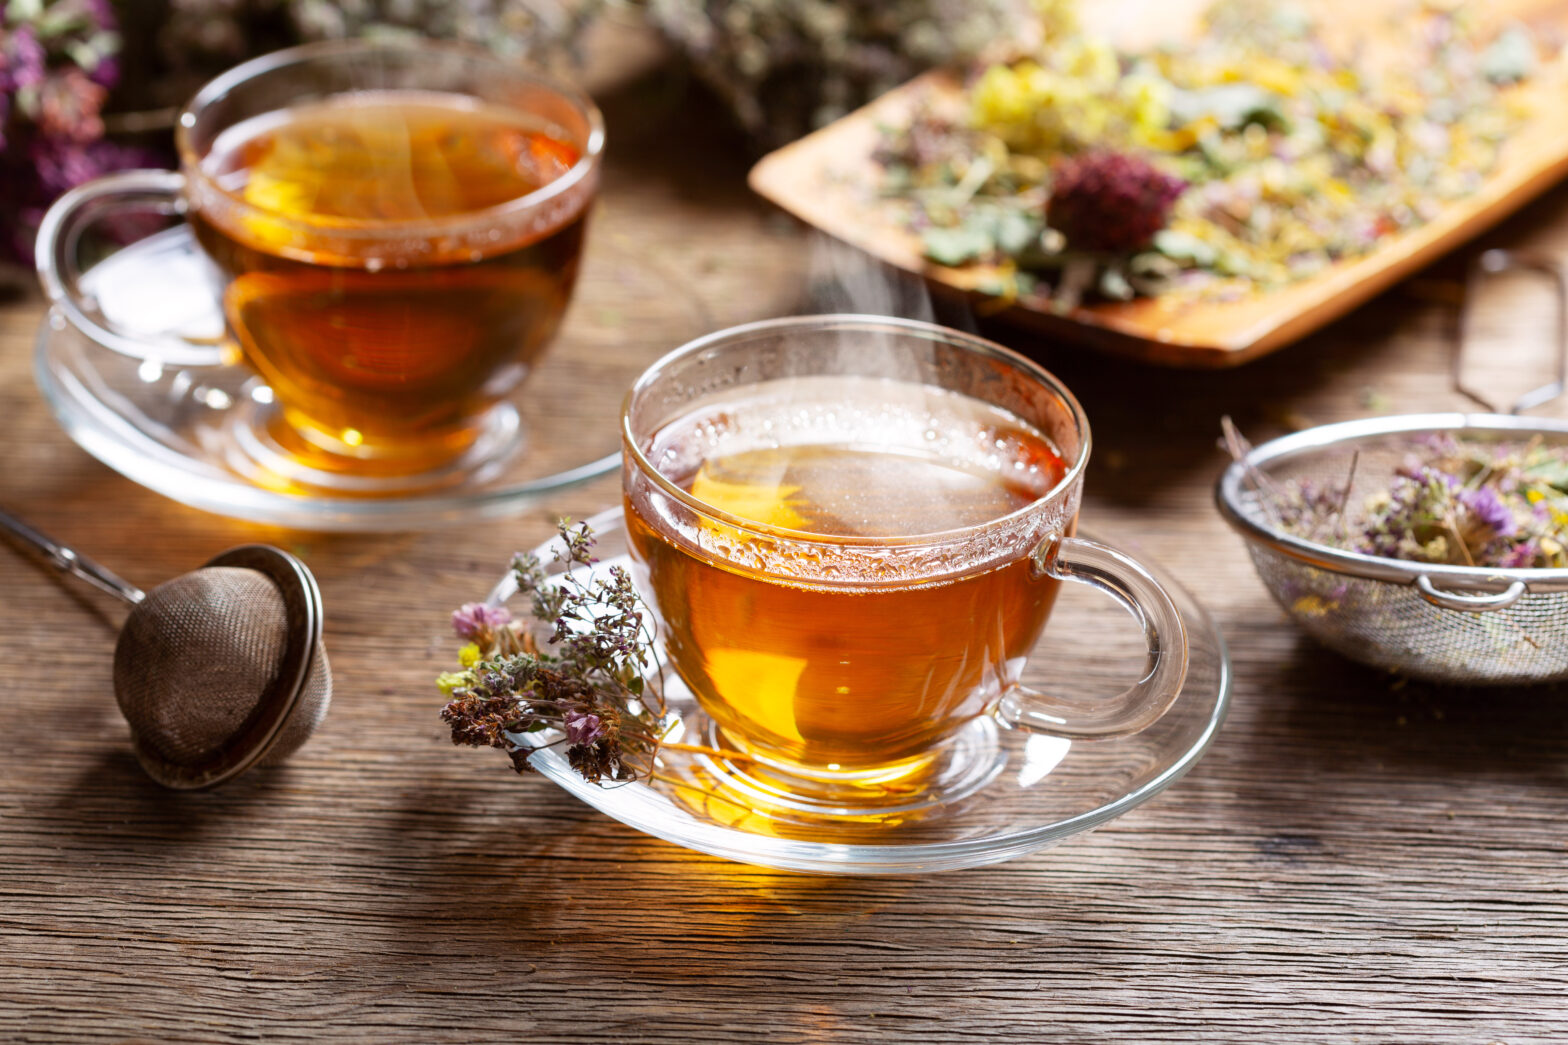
{"points": [[1019, 793], [189, 432]]}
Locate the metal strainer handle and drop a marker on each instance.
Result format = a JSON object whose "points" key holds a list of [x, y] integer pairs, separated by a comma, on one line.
{"points": [[1453, 600], [1493, 263], [70, 561]]}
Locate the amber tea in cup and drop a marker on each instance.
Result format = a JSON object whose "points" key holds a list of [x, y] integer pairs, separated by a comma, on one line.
{"points": [[853, 530], [834, 675], [395, 227], [388, 348]]}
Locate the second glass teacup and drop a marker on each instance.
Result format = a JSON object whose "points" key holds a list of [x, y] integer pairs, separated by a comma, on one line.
{"points": [[396, 226], [853, 530]]}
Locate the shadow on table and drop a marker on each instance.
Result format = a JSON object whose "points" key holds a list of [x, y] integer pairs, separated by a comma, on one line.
{"points": [[522, 877], [1349, 724], [540, 871], [117, 812]]}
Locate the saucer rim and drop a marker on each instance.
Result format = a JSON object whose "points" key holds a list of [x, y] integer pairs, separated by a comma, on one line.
{"points": [[858, 859], [148, 463], [112, 435]]}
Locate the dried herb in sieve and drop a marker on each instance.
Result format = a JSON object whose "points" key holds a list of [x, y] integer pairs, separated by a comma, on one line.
{"points": [[1450, 501]]}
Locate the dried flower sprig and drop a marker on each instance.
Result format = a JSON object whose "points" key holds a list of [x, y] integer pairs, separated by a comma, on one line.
{"points": [[784, 67], [596, 681]]}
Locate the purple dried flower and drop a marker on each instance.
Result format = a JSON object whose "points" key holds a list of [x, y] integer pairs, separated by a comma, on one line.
{"points": [[106, 71], [1110, 201], [68, 106], [583, 727], [56, 66], [1437, 444], [33, 173], [475, 619], [100, 12], [1484, 506], [23, 61], [63, 165], [592, 686], [1521, 556]]}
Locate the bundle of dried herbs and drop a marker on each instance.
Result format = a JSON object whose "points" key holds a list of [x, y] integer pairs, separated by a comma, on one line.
{"points": [[58, 61], [784, 67], [198, 38], [1290, 158], [596, 682]]}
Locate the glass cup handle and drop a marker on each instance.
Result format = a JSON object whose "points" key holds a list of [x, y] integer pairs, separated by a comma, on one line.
{"points": [[1123, 579], [56, 257]]}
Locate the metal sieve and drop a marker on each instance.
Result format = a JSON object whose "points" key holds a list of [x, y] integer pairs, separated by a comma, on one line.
{"points": [[1468, 625], [218, 670]]}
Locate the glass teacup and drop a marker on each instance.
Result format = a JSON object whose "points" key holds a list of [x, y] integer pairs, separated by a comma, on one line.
{"points": [[396, 229], [853, 530]]}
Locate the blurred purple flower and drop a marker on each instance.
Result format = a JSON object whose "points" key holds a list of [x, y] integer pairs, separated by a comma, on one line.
{"points": [[100, 12], [106, 72], [1110, 201], [476, 618], [1520, 557], [583, 727], [1487, 509], [23, 61], [56, 67], [1411, 467], [68, 106], [34, 175]]}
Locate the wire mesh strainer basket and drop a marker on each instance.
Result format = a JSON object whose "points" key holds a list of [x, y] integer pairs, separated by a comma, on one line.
{"points": [[1470, 625], [1457, 624]]}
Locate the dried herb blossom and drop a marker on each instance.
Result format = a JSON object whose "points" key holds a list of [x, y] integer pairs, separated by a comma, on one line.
{"points": [[1451, 501], [596, 681]]}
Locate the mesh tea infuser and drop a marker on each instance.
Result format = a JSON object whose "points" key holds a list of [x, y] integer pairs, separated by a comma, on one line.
{"points": [[1472, 625], [217, 670]]}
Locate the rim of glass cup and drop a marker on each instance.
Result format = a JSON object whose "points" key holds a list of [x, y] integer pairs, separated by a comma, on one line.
{"points": [[221, 85], [849, 320]]}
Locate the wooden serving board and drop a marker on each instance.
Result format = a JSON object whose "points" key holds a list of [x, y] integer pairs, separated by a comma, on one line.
{"points": [[829, 180]]}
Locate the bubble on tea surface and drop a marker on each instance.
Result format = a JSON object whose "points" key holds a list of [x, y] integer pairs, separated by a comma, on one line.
{"points": [[843, 491], [859, 457]]}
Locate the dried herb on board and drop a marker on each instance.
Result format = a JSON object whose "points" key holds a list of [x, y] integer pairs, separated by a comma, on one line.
{"points": [[1292, 157], [784, 67]]}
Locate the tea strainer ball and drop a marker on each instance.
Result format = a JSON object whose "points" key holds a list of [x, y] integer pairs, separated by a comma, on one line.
{"points": [[219, 669]]}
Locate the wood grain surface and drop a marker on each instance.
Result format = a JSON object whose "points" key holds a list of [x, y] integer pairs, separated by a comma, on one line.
{"points": [[1354, 860]]}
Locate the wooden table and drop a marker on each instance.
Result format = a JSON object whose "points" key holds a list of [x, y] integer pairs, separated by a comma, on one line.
{"points": [[1355, 859]]}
